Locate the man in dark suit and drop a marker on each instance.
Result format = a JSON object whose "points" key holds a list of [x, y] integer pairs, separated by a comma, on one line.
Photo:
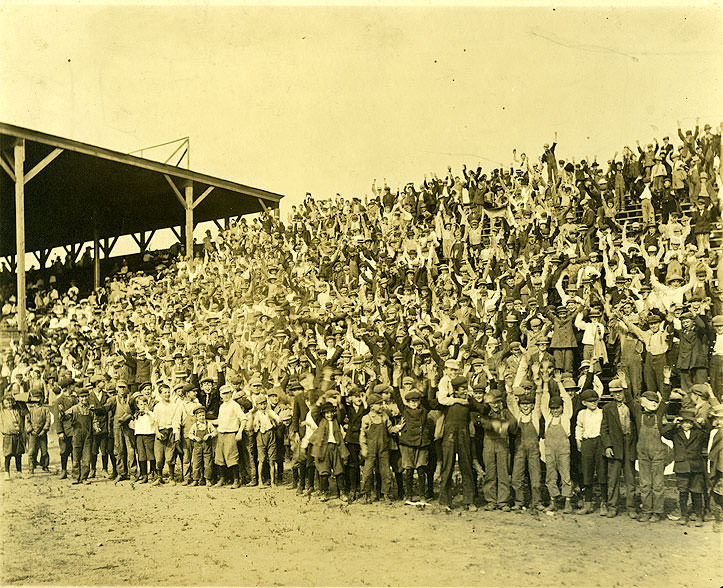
{"points": [[618, 438]]}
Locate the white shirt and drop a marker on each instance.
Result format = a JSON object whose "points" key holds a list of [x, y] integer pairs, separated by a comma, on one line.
{"points": [[588, 424]]}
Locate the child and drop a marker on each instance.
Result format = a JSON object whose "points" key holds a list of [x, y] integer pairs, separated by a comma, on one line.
{"points": [[231, 419], [12, 428], [715, 466], [265, 422], [526, 410], [164, 447], [557, 412], [329, 452], [201, 434], [618, 435], [648, 414], [688, 442], [498, 424], [81, 418], [354, 409], [144, 426], [280, 433], [415, 436], [374, 439], [589, 444], [37, 424]]}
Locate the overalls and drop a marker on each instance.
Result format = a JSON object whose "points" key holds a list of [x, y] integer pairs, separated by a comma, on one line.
{"points": [[557, 459], [651, 464], [377, 439], [82, 441], [527, 458]]}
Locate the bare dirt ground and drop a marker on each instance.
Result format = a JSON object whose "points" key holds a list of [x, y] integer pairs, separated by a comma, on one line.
{"points": [[55, 533]]}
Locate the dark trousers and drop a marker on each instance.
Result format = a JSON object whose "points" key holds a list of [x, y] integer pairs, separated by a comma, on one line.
{"points": [[65, 445], [456, 446], [496, 456], [99, 444], [653, 372], [594, 466], [618, 468], [377, 460], [38, 444], [125, 451], [527, 460], [353, 468], [202, 460], [716, 375], [82, 443]]}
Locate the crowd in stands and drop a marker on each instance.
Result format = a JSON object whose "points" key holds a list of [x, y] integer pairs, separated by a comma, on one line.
{"points": [[509, 339]]}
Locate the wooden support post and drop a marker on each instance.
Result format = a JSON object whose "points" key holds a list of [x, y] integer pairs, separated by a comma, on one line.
{"points": [[218, 224], [189, 219], [19, 165], [226, 222]]}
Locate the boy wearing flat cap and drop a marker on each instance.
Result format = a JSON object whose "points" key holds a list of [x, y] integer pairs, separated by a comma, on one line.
{"points": [[688, 443], [81, 418], [589, 444], [200, 434], [329, 451], [498, 424], [648, 414], [374, 439], [415, 435], [556, 412], [456, 442], [618, 439], [524, 405]]}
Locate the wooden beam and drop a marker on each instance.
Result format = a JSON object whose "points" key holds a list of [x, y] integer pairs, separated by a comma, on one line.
{"points": [[218, 224], [7, 167], [175, 190], [108, 154], [42, 164], [150, 236], [177, 234], [139, 242], [113, 241], [263, 205], [202, 197]]}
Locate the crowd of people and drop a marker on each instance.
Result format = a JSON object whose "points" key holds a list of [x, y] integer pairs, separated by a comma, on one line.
{"points": [[508, 335]]}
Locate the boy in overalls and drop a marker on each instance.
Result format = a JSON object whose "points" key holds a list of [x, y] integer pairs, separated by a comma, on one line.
{"points": [[527, 447], [201, 434], [374, 439], [82, 421], [648, 415], [557, 412], [498, 423]]}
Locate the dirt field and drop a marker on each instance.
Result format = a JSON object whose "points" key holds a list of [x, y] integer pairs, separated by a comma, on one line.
{"points": [[55, 533]]}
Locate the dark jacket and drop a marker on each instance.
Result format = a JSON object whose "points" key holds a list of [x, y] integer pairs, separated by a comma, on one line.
{"points": [[352, 420], [611, 432], [687, 452], [63, 422], [418, 428], [693, 346], [298, 414]]}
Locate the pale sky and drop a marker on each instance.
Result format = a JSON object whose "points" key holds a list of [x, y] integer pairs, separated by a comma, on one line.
{"points": [[296, 99]]}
